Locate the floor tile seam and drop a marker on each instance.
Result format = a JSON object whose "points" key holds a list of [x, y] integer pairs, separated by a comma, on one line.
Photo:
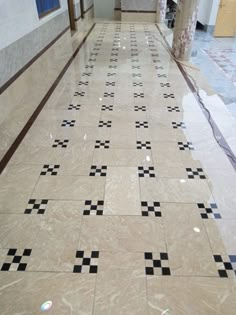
{"points": [[149, 277]]}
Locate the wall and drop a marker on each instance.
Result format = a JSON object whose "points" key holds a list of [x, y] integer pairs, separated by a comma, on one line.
{"points": [[104, 9], [13, 12], [23, 34], [77, 9], [138, 5], [208, 12], [88, 4], [27, 37]]}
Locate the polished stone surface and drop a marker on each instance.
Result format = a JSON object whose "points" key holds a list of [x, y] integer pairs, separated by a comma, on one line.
{"points": [[119, 199]]}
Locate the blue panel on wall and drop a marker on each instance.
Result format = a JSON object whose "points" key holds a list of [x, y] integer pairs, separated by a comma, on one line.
{"points": [[44, 6]]}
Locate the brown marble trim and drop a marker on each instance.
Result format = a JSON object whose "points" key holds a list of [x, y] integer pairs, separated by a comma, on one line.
{"points": [[21, 135], [28, 64], [89, 8], [223, 144], [117, 9], [136, 11], [78, 18]]}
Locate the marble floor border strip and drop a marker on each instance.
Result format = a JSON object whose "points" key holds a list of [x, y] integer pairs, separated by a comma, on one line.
{"points": [[24, 131], [223, 144], [29, 63]]}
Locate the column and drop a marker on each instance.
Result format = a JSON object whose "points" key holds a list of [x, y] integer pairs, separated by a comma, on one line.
{"points": [[161, 11], [185, 26]]}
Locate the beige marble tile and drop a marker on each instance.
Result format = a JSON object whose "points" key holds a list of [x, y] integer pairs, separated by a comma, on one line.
{"points": [[122, 261], [69, 293], [128, 234], [175, 190], [190, 295], [17, 181], [122, 192], [69, 188], [35, 231], [221, 234], [122, 157], [189, 251], [120, 292], [76, 159]]}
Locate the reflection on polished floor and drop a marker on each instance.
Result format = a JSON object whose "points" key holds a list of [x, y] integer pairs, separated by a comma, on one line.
{"points": [[216, 57], [119, 199]]}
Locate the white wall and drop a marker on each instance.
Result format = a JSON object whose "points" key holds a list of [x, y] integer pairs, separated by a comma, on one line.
{"points": [[104, 9], [208, 10], [214, 12], [20, 17]]}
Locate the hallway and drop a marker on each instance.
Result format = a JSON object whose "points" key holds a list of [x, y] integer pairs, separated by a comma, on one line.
{"points": [[119, 200]]}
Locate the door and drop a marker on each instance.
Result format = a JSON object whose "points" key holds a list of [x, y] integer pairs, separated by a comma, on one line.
{"points": [[225, 23], [104, 9], [82, 8], [71, 14]]}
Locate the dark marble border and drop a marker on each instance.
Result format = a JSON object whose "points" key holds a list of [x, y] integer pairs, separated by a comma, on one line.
{"points": [[137, 11], [223, 144], [24, 131]]}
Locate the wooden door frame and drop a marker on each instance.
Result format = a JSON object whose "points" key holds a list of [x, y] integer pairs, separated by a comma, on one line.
{"points": [[71, 14], [82, 8]]}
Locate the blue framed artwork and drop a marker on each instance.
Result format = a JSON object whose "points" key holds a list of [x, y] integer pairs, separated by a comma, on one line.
{"points": [[45, 7]]}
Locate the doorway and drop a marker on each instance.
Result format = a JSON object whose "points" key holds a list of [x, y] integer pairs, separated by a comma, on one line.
{"points": [[82, 8], [71, 14], [225, 23], [104, 9]]}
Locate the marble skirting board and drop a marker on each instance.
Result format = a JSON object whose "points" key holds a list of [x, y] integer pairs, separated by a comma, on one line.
{"points": [[138, 17], [19, 53]]}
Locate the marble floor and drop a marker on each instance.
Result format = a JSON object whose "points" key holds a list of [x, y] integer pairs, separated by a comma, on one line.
{"points": [[216, 57], [119, 200]]}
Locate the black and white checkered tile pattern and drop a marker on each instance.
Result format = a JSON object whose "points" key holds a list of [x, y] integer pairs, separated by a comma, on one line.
{"points": [[107, 108], [151, 208], [105, 124], [74, 107], [86, 262], [16, 260], [50, 169], [141, 124], [37, 206], [146, 171], [210, 211], [93, 207], [157, 264], [141, 145], [82, 94], [180, 125], [60, 143], [171, 95], [185, 146], [172, 109], [68, 123], [104, 144], [139, 108], [98, 170], [226, 265], [197, 173], [138, 95]]}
